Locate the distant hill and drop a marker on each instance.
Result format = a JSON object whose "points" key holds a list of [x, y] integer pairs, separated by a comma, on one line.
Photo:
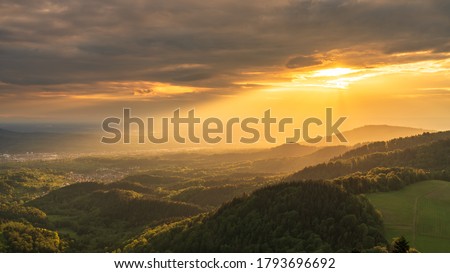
{"points": [[281, 151], [7, 133], [51, 142], [429, 151], [291, 150], [370, 133], [39, 142], [292, 163], [395, 144]]}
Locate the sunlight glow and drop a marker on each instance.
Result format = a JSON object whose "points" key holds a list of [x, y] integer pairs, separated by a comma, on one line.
{"points": [[333, 72]]}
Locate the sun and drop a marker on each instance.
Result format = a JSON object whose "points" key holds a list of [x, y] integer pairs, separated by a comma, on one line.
{"points": [[333, 78], [333, 72], [329, 78], [325, 79]]}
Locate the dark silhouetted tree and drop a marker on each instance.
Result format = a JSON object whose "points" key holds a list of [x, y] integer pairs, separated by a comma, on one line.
{"points": [[400, 245]]}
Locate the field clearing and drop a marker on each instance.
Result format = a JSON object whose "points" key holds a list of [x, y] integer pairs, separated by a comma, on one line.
{"points": [[420, 212]]}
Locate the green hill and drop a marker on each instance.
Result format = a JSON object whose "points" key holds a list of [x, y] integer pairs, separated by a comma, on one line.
{"points": [[23, 237], [99, 216], [287, 217], [24, 184]]}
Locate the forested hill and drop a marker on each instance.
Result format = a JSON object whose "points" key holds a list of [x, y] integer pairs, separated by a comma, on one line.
{"points": [[288, 217], [429, 152], [104, 215], [396, 144]]}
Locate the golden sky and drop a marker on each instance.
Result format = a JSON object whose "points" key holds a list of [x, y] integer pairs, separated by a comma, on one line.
{"points": [[376, 62]]}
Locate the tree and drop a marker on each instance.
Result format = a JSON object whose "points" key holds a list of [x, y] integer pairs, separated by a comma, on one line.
{"points": [[400, 245]]}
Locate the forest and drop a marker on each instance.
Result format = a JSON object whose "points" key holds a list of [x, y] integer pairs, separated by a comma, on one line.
{"points": [[312, 200]]}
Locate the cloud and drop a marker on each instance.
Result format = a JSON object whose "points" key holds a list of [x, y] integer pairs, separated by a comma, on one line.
{"points": [[302, 61], [142, 92], [207, 45]]}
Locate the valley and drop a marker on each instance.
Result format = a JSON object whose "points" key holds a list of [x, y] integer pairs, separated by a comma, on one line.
{"points": [[290, 198]]}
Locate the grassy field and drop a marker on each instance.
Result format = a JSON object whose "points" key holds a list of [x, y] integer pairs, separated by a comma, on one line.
{"points": [[420, 212]]}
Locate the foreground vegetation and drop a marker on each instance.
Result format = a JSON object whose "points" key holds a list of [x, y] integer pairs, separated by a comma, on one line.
{"points": [[306, 216], [232, 201]]}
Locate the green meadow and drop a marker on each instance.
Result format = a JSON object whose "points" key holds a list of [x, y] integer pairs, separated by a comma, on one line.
{"points": [[420, 212]]}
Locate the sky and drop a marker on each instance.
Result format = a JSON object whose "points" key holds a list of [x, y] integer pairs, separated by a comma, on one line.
{"points": [[375, 62]]}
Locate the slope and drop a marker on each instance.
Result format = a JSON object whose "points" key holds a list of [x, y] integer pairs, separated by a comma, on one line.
{"points": [[434, 156], [98, 216], [287, 217]]}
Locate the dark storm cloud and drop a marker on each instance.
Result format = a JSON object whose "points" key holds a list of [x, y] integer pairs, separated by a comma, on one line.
{"points": [[56, 42], [302, 61]]}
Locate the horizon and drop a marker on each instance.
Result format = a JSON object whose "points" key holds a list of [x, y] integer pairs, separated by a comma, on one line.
{"points": [[354, 136], [23, 127]]}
